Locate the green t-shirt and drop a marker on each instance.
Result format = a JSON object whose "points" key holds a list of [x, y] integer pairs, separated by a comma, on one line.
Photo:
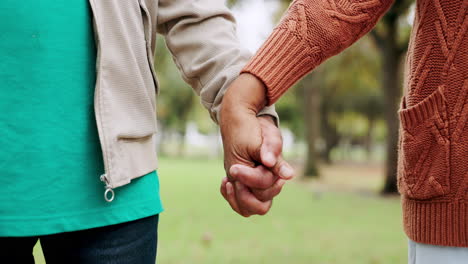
{"points": [[50, 157]]}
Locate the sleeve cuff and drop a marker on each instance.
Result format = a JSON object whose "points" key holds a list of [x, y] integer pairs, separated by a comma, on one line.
{"points": [[270, 110], [280, 68]]}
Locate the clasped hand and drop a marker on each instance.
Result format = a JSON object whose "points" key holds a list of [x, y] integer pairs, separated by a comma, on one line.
{"points": [[255, 168]]}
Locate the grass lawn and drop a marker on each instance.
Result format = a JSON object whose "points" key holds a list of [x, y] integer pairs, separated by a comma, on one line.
{"points": [[309, 223]]}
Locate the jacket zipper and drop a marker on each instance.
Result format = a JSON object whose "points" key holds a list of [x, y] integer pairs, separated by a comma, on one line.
{"points": [[109, 194]]}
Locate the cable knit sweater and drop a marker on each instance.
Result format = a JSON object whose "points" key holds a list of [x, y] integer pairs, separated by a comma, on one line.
{"points": [[433, 149]]}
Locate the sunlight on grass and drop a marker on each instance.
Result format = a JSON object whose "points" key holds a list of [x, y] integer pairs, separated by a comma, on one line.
{"points": [[306, 225]]}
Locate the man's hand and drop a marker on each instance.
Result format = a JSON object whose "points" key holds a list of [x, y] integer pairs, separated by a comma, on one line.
{"points": [[252, 189], [252, 150]]}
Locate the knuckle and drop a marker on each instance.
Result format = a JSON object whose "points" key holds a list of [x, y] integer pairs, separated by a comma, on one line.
{"points": [[277, 190], [245, 215], [276, 193], [263, 211]]}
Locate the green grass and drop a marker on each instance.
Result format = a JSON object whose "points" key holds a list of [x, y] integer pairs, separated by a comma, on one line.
{"points": [[307, 224]]}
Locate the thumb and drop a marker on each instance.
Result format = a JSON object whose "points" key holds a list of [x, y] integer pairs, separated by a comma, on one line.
{"points": [[272, 142], [270, 152], [268, 156], [283, 169]]}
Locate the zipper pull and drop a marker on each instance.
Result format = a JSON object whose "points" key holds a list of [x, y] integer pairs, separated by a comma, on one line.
{"points": [[109, 194]]}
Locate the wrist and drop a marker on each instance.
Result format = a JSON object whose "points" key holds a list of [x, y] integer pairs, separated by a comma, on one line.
{"points": [[247, 92]]}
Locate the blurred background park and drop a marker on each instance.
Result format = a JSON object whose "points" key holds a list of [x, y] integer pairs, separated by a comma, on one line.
{"points": [[340, 131]]}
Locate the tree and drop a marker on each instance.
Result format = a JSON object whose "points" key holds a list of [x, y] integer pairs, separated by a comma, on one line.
{"points": [[392, 42], [344, 84], [350, 85], [177, 100], [311, 96], [392, 47]]}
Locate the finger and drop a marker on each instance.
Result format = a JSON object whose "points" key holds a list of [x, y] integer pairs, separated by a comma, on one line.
{"points": [[270, 150], [231, 197], [258, 177], [249, 203], [223, 189], [272, 142], [283, 169], [270, 193]]}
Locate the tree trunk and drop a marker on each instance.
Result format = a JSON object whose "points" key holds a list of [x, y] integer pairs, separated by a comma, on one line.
{"points": [[368, 142], [329, 134], [392, 92], [312, 124], [392, 50], [162, 138], [181, 150]]}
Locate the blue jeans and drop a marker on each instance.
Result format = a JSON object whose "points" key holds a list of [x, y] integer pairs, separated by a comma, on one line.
{"points": [[429, 254], [126, 243]]}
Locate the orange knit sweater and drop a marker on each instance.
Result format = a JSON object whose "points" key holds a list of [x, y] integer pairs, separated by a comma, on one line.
{"points": [[433, 151]]}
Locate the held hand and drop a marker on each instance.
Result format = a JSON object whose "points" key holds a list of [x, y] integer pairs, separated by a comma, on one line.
{"points": [[253, 149], [253, 188]]}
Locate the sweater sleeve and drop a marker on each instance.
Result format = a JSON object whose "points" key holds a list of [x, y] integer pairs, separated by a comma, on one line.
{"points": [[309, 33]]}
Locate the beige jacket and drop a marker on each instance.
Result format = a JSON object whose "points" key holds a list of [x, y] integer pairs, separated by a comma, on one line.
{"points": [[201, 35]]}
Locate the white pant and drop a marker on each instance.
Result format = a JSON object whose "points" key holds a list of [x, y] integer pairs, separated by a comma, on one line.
{"points": [[428, 254]]}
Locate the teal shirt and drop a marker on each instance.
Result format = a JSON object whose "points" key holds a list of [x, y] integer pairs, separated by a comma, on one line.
{"points": [[50, 157]]}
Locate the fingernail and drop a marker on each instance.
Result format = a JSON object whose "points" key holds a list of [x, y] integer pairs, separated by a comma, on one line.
{"points": [[286, 172], [229, 188], [239, 186]]}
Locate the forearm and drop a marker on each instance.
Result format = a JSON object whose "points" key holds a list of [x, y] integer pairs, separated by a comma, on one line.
{"points": [[311, 32], [202, 38]]}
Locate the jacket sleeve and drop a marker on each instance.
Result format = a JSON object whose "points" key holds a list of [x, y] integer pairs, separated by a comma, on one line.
{"points": [[201, 35], [309, 33]]}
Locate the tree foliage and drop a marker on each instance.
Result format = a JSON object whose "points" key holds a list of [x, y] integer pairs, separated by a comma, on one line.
{"points": [[177, 103]]}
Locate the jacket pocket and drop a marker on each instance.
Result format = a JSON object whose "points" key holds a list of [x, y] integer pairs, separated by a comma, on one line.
{"points": [[423, 167]]}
